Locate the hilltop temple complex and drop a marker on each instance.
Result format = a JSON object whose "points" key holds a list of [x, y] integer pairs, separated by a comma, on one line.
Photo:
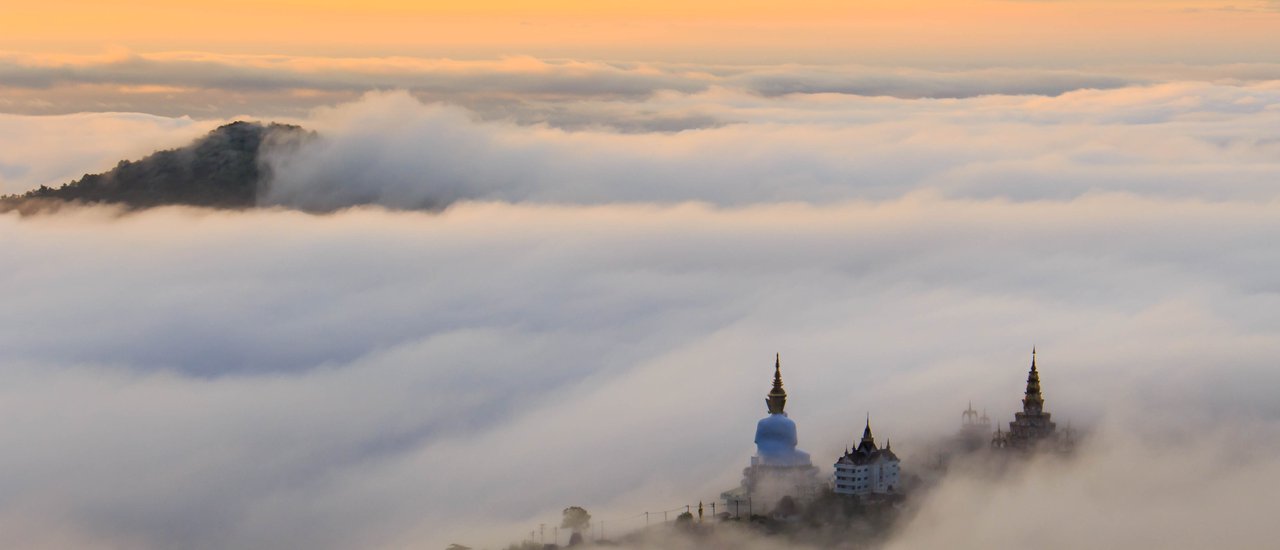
{"points": [[781, 476]]}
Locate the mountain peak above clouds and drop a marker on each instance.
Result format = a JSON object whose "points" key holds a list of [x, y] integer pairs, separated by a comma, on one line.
{"points": [[222, 169]]}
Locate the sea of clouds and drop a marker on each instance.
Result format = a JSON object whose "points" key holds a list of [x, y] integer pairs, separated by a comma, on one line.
{"points": [[498, 315]]}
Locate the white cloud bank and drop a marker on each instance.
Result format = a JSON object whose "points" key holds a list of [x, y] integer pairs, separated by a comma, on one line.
{"points": [[1207, 141], [573, 330], [367, 379], [1211, 140]]}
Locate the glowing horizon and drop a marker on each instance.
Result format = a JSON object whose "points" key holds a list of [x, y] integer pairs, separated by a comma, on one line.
{"points": [[936, 31]]}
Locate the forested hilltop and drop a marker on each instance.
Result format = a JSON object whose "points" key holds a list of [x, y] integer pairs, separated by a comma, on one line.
{"points": [[219, 170]]}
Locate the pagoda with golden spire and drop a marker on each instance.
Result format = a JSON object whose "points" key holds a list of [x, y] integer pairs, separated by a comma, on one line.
{"points": [[1033, 424]]}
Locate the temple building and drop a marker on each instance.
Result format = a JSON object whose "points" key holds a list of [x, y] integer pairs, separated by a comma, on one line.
{"points": [[778, 469], [867, 470], [1032, 428]]}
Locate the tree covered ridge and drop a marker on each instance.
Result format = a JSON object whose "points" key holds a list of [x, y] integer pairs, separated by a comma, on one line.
{"points": [[222, 169]]}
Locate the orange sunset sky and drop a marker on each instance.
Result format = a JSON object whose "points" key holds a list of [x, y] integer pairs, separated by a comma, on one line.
{"points": [[920, 32]]}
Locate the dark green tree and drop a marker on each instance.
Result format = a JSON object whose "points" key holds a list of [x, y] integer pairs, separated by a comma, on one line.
{"points": [[576, 519]]}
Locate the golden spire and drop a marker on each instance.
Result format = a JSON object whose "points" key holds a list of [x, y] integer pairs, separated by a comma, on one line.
{"points": [[1033, 401], [777, 399]]}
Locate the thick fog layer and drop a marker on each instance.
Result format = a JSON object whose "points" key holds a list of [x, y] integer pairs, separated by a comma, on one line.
{"points": [[589, 317], [1213, 142], [184, 378]]}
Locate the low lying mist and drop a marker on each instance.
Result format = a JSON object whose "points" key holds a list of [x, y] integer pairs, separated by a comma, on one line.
{"points": [[1180, 140], [1168, 141], [1151, 478], [371, 378]]}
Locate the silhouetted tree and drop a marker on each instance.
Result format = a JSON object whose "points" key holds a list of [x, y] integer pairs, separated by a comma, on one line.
{"points": [[576, 518]]}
